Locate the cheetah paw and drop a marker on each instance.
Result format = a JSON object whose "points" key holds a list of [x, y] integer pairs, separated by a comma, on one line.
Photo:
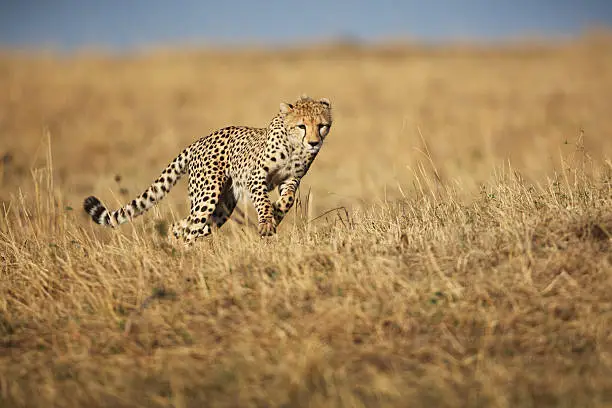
{"points": [[266, 228]]}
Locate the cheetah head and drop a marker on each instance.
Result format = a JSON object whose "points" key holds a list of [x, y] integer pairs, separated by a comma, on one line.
{"points": [[308, 121]]}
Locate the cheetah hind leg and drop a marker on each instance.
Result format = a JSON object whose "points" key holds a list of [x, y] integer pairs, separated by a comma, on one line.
{"points": [[180, 233], [222, 213], [198, 222], [177, 230], [225, 208], [185, 229], [198, 226]]}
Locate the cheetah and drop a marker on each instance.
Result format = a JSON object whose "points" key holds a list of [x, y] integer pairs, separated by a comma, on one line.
{"points": [[235, 162]]}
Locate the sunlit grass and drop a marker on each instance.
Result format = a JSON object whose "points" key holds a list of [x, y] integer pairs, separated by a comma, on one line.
{"points": [[450, 247]]}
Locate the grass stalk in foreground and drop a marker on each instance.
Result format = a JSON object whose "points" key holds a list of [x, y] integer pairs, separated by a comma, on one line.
{"points": [[428, 301]]}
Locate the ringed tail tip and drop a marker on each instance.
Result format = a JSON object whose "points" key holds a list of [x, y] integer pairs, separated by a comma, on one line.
{"points": [[94, 208]]}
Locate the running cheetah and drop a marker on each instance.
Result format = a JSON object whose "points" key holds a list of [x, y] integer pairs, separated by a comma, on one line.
{"points": [[234, 161]]}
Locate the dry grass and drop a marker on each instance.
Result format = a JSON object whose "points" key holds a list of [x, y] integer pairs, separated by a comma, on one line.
{"points": [[469, 265]]}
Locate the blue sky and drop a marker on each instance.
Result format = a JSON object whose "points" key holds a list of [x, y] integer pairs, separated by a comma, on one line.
{"points": [[69, 24]]}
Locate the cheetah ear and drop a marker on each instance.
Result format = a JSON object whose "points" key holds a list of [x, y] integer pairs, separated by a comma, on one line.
{"points": [[325, 102], [286, 107], [305, 97]]}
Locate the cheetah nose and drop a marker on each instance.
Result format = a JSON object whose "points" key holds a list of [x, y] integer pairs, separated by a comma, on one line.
{"points": [[313, 144]]}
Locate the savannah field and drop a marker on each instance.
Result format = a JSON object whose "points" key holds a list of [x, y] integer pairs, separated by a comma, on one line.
{"points": [[451, 246]]}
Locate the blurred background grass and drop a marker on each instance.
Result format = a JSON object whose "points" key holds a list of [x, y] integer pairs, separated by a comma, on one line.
{"points": [[468, 108], [120, 89]]}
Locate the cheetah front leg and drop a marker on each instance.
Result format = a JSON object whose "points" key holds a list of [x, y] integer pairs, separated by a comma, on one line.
{"points": [[287, 190], [258, 194]]}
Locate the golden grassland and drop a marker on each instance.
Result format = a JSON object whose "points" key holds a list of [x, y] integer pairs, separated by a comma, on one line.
{"points": [[451, 246]]}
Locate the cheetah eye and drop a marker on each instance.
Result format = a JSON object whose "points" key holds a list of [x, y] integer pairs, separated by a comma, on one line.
{"points": [[302, 129], [323, 129]]}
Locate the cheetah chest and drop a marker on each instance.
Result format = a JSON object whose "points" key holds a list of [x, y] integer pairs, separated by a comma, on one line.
{"points": [[293, 167]]}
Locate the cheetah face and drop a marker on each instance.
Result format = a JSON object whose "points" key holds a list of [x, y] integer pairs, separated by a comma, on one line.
{"points": [[308, 121]]}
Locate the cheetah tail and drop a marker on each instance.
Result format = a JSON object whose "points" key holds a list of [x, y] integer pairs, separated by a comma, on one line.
{"points": [[156, 191]]}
